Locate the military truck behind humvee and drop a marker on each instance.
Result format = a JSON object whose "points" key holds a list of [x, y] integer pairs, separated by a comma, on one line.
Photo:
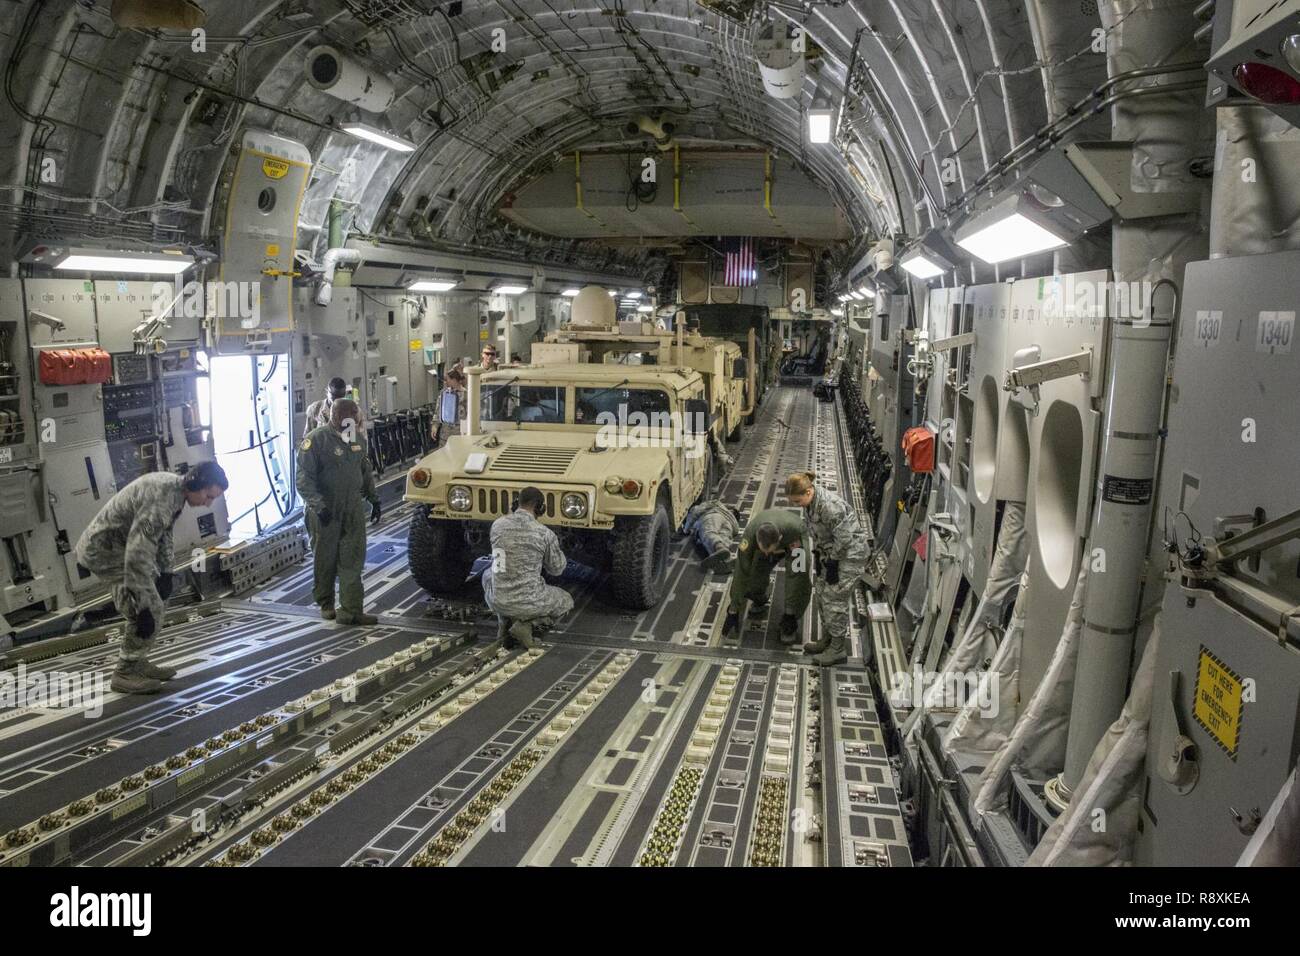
{"points": [[742, 324], [729, 385], [619, 452]]}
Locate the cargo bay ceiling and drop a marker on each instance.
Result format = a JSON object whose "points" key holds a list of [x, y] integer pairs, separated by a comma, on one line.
{"points": [[124, 131]]}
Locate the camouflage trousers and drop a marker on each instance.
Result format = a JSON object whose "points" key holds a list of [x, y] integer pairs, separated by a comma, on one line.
{"points": [[713, 542], [833, 599], [128, 604], [547, 602]]}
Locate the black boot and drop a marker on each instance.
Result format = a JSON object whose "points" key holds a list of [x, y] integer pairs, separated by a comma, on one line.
{"points": [[731, 626], [789, 629]]}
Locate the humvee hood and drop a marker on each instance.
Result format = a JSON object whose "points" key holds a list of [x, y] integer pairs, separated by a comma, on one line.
{"points": [[548, 456]]}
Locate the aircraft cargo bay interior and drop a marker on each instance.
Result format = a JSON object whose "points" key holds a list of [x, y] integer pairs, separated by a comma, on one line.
{"points": [[650, 433]]}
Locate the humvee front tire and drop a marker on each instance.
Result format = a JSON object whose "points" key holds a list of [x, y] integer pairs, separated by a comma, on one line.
{"points": [[640, 558], [437, 554]]}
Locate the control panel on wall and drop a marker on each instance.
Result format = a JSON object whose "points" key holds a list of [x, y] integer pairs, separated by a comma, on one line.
{"points": [[131, 430]]}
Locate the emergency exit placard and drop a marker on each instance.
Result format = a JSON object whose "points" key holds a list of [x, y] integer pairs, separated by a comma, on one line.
{"points": [[1217, 702], [274, 168]]}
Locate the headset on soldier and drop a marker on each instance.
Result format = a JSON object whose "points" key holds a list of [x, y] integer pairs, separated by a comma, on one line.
{"points": [[533, 500]]}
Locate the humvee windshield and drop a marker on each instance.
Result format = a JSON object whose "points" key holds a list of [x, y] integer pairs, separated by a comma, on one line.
{"points": [[618, 403], [524, 403]]}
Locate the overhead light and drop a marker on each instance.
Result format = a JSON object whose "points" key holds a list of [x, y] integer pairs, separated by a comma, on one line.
{"points": [[613, 293], [857, 296], [634, 295], [1060, 197], [1005, 232], [820, 119], [510, 289], [115, 261], [923, 263], [374, 135], [432, 285], [929, 257], [645, 308], [867, 291], [920, 266], [837, 312], [845, 297], [570, 293]]}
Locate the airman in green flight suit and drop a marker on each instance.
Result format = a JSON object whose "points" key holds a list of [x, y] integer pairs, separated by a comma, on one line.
{"points": [[335, 482], [772, 536]]}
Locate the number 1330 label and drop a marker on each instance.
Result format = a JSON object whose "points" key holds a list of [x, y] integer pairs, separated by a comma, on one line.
{"points": [[1207, 329], [1274, 332]]}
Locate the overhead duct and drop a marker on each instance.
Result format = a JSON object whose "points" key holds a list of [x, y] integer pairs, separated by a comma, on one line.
{"points": [[780, 65], [348, 80], [330, 262], [158, 14], [872, 266]]}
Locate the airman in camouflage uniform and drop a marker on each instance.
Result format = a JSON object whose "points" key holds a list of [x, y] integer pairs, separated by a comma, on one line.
{"points": [[128, 546], [523, 547], [840, 547], [715, 527], [335, 481], [772, 536]]}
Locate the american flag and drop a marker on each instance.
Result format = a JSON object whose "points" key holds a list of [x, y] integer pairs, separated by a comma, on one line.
{"points": [[741, 268]]}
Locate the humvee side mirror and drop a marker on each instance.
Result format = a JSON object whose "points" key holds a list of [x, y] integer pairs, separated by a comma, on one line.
{"points": [[697, 416], [740, 369]]}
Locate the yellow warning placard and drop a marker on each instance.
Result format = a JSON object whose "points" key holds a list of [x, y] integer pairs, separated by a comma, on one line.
{"points": [[274, 168], [1217, 701], [416, 345]]}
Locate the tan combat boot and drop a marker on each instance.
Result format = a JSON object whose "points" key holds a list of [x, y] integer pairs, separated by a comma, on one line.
{"points": [[127, 679], [343, 617]]}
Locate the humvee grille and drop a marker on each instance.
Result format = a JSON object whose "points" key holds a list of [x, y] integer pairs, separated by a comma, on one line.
{"points": [[534, 460], [492, 501]]}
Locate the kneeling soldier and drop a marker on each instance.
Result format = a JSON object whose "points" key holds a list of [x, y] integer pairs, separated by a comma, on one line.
{"points": [[523, 547]]}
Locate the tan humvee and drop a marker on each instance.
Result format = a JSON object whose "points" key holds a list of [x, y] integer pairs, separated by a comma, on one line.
{"points": [[619, 451]]}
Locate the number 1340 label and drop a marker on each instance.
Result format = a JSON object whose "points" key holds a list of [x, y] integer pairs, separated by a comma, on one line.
{"points": [[1274, 332]]}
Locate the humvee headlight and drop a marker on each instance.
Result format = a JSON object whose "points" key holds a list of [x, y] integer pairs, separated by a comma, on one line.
{"points": [[459, 498], [631, 488], [613, 485], [421, 477], [573, 505]]}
